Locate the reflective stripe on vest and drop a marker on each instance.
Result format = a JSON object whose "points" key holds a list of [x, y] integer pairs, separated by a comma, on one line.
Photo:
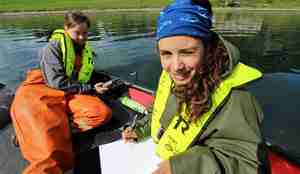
{"points": [[179, 136], [68, 52]]}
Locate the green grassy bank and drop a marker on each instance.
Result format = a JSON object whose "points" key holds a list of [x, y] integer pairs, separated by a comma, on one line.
{"points": [[279, 4], [54, 5], [51, 5]]}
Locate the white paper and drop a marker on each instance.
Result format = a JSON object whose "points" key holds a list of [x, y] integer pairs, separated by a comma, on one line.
{"points": [[128, 158]]}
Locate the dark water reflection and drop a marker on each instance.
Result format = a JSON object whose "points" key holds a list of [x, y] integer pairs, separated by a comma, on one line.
{"points": [[123, 42], [125, 45]]}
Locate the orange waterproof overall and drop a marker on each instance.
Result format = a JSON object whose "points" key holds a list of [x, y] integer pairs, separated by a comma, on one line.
{"points": [[40, 118]]}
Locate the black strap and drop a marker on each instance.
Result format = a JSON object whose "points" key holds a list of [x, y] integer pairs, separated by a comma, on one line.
{"points": [[262, 154]]}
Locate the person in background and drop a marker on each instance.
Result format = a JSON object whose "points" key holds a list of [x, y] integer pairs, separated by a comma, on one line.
{"points": [[203, 121], [67, 64], [59, 97]]}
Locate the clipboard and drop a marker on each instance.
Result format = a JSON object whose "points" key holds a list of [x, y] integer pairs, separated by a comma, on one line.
{"points": [[128, 158]]}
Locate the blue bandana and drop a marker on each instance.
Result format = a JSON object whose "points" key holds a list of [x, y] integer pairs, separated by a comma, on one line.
{"points": [[184, 17]]}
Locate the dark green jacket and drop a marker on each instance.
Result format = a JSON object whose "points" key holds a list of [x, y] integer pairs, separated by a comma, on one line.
{"points": [[230, 141]]}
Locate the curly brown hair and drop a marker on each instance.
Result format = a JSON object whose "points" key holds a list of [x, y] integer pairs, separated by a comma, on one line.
{"points": [[197, 95]]}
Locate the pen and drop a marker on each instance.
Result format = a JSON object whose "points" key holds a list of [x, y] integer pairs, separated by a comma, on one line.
{"points": [[133, 123]]}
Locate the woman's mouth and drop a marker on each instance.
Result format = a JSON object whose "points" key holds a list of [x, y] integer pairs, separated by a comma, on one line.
{"points": [[181, 76]]}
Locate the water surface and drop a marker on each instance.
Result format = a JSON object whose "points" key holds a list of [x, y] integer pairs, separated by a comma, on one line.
{"points": [[125, 46]]}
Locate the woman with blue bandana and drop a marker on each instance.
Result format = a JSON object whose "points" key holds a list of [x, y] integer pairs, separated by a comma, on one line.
{"points": [[203, 120]]}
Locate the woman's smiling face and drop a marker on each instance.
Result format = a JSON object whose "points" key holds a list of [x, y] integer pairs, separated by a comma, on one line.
{"points": [[181, 57]]}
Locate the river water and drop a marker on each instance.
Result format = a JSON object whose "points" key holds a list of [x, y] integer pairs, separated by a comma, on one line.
{"points": [[125, 46], [125, 43]]}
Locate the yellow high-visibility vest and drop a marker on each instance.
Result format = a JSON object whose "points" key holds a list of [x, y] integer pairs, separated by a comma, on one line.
{"points": [[180, 134], [69, 56]]}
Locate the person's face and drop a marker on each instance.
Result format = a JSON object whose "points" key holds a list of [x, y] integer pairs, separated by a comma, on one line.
{"points": [[181, 57], [78, 33]]}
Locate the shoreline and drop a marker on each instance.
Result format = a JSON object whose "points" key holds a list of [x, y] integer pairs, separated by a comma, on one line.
{"points": [[47, 12]]}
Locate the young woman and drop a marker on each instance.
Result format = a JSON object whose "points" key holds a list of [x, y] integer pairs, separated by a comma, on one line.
{"points": [[67, 64], [58, 94], [203, 120]]}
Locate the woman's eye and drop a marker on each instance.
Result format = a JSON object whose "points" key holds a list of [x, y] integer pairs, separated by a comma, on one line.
{"points": [[166, 57], [165, 53], [77, 32], [187, 53]]}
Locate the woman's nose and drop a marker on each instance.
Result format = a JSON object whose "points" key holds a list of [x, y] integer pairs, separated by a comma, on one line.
{"points": [[177, 63], [80, 37]]}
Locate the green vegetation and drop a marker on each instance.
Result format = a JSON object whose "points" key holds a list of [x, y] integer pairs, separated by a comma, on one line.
{"points": [[286, 4], [51, 5], [42, 5]]}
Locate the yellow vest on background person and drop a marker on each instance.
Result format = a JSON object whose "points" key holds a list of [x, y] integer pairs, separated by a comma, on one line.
{"points": [[69, 56], [180, 134]]}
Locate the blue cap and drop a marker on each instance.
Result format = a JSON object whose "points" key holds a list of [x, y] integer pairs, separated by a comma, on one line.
{"points": [[184, 17]]}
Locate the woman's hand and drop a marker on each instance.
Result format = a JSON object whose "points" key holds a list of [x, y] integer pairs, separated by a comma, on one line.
{"points": [[128, 135], [100, 87], [163, 168]]}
